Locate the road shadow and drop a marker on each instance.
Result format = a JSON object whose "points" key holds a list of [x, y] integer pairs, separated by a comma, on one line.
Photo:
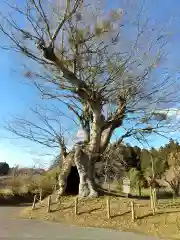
{"points": [[16, 205], [16, 200]]}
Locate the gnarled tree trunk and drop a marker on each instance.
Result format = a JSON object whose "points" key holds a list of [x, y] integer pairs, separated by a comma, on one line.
{"points": [[67, 163], [85, 166], [84, 158]]}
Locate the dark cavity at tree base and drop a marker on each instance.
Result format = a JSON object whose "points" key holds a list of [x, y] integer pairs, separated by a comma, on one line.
{"points": [[72, 187]]}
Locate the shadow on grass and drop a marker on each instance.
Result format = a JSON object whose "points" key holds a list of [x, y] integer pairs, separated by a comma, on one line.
{"points": [[121, 214], [90, 211], [160, 194], [164, 195], [71, 207], [105, 192], [156, 214], [61, 208]]}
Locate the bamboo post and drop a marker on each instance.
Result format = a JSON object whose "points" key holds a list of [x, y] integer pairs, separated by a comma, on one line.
{"points": [[109, 188], [152, 197], [76, 206], [57, 198], [49, 204], [152, 190], [154, 210], [173, 200], [34, 202], [133, 211], [155, 197], [108, 207], [40, 195]]}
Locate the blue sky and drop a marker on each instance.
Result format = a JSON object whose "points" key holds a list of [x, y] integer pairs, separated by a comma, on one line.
{"points": [[16, 95]]}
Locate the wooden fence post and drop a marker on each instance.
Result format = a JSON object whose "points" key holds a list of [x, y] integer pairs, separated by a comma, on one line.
{"points": [[34, 202], [108, 207], [133, 216], [76, 206], [49, 204]]}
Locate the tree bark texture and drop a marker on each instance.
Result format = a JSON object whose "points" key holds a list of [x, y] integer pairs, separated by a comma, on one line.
{"points": [[84, 159], [85, 165], [67, 163]]}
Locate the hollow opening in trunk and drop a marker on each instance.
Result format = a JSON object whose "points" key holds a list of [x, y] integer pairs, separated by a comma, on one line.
{"points": [[72, 187]]}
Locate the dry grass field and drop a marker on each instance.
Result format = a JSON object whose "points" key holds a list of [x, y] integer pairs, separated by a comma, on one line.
{"points": [[93, 213]]}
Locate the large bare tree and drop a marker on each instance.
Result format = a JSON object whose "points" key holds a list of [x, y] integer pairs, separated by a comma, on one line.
{"points": [[100, 64]]}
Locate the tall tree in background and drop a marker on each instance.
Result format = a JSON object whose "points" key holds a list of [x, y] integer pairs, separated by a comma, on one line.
{"points": [[4, 168], [172, 175], [87, 58], [153, 165], [117, 160]]}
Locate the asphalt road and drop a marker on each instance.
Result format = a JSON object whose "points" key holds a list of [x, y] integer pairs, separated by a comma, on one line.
{"points": [[13, 228]]}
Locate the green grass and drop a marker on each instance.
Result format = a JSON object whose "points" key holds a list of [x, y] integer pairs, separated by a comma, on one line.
{"points": [[161, 193], [6, 192], [145, 192]]}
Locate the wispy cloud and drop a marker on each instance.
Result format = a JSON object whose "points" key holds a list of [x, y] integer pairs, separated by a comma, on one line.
{"points": [[171, 113], [80, 135]]}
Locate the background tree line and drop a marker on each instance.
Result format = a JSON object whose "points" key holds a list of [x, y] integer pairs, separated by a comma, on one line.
{"points": [[144, 167]]}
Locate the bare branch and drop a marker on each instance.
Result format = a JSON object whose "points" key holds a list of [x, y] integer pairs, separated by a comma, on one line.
{"points": [[44, 129], [89, 63]]}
